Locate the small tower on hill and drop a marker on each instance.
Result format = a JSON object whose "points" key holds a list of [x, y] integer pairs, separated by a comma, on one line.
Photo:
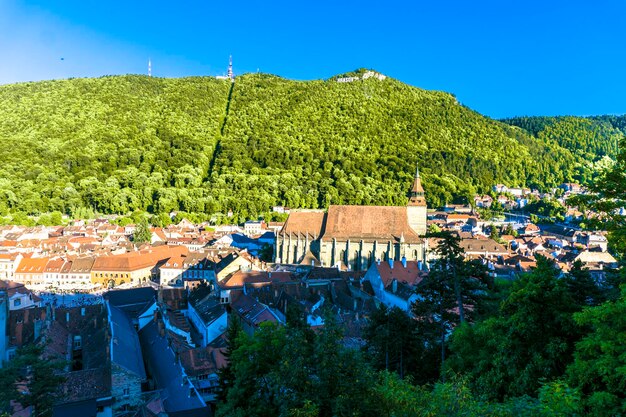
{"points": [[416, 207], [230, 75], [149, 67]]}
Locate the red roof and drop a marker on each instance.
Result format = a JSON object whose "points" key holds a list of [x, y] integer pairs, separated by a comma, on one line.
{"points": [[32, 266]]}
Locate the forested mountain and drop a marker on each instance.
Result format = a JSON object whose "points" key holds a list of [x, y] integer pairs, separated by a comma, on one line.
{"points": [[201, 145], [589, 138]]}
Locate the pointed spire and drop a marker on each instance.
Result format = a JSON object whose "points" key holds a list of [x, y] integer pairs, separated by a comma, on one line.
{"points": [[416, 196]]}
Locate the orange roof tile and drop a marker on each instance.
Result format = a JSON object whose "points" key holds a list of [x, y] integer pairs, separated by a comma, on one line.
{"points": [[134, 261], [32, 266]]}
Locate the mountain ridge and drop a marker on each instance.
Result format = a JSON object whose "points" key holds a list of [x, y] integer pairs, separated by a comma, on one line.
{"points": [[123, 143]]}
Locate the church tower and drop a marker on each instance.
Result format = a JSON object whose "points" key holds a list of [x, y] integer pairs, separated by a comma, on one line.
{"points": [[416, 208]]}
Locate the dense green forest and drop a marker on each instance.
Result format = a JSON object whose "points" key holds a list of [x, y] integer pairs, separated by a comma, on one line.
{"points": [[592, 139], [206, 146]]}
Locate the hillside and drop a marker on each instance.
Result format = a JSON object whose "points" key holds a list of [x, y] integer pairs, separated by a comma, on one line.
{"points": [[124, 143], [590, 139]]}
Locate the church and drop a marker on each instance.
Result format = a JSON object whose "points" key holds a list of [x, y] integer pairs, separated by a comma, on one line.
{"points": [[353, 237]]}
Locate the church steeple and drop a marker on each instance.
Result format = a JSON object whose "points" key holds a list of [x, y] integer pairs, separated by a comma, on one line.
{"points": [[416, 196]]}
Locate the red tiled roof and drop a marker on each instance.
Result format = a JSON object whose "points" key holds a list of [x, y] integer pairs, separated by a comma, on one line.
{"points": [[134, 261], [239, 278], [411, 274], [310, 222], [369, 223], [32, 266]]}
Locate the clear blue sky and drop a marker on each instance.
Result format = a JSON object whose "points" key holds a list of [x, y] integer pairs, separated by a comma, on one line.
{"points": [[501, 58]]}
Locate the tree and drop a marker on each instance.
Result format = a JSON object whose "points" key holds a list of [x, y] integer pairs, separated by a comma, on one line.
{"points": [[41, 377], [582, 287], [532, 338], [608, 199], [392, 342], [599, 367], [226, 375], [494, 234], [452, 285], [142, 232]]}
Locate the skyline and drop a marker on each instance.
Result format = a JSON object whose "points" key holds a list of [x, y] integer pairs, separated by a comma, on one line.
{"points": [[558, 59]]}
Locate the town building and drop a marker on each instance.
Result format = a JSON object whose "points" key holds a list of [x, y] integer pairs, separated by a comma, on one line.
{"points": [[354, 237], [133, 267]]}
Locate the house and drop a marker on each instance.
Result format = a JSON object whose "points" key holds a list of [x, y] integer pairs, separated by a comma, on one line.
{"points": [[202, 366], [139, 304], [253, 228], [233, 262], [487, 248], [79, 274], [530, 229], [457, 208], [394, 282], [189, 268], [240, 279], [127, 366], [500, 188], [179, 397], [252, 312], [21, 298], [52, 272], [79, 336], [571, 187], [133, 267], [483, 201], [591, 240], [207, 316], [8, 265], [600, 259], [30, 271]]}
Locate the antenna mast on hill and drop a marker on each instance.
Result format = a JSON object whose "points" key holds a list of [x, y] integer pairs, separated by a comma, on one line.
{"points": [[149, 68], [230, 68]]}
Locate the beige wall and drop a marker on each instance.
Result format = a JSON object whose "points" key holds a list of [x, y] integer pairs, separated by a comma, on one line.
{"points": [[358, 255]]}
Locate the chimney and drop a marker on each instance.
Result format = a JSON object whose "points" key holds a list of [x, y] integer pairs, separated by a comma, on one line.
{"points": [[390, 262], [404, 262], [378, 261], [67, 317], [394, 285], [82, 311], [420, 265]]}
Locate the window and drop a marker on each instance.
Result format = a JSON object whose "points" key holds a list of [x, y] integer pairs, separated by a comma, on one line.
{"points": [[126, 391], [17, 302], [78, 342]]}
